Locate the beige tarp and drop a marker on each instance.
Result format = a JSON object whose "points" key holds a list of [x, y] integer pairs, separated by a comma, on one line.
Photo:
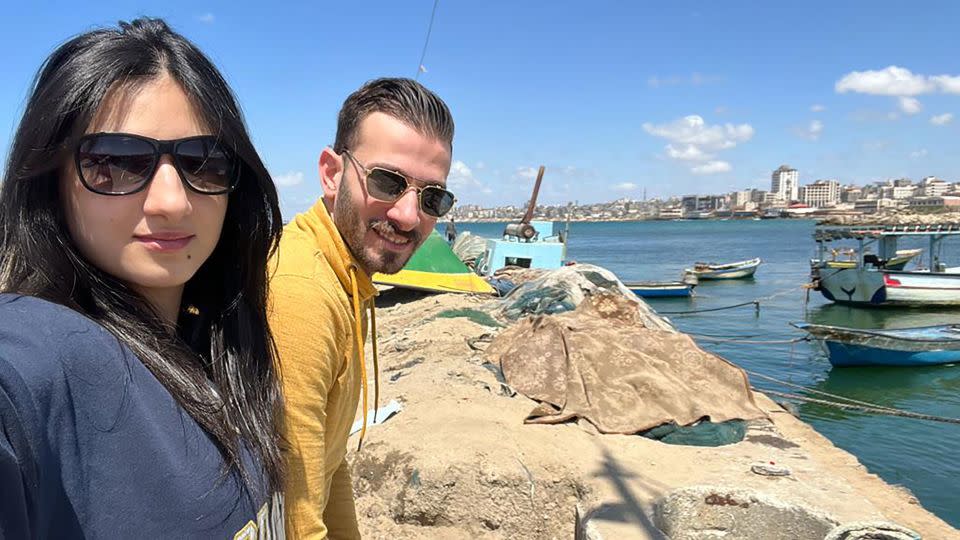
{"points": [[601, 362]]}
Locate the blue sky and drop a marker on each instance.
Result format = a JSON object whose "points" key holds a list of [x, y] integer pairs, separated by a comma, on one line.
{"points": [[613, 97]]}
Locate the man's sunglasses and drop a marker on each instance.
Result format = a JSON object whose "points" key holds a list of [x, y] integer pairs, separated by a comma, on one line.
{"points": [[122, 164], [388, 186]]}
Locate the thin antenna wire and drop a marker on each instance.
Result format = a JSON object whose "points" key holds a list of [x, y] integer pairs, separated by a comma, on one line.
{"points": [[426, 41]]}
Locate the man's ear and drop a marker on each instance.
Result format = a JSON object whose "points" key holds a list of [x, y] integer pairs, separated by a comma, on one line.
{"points": [[331, 172]]}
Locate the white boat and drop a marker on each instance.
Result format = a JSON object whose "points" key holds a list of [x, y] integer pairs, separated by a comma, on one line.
{"points": [[870, 281], [734, 270]]}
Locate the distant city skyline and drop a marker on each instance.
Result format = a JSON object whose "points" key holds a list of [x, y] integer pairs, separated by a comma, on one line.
{"points": [[614, 98]]}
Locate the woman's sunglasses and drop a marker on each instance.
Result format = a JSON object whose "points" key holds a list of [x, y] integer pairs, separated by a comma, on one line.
{"points": [[122, 164], [389, 186]]}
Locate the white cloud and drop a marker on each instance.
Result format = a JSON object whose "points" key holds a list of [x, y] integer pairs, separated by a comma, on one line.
{"points": [[461, 177], [891, 81], [910, 105], [624, 186], [687, 153], [692, 139], [289, 179], [712, 167], [947, 84], [528, 173], [900, 83], [480, 166], [918, 153], [817, 108], [206, 18], [812, 131], [693, 130], [941, 119]]}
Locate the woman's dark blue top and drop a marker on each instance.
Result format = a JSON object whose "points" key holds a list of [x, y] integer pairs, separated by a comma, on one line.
{"points": [[93, 446]]}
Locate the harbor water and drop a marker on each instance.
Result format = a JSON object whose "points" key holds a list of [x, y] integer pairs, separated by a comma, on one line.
{"points": [[920, 455]]}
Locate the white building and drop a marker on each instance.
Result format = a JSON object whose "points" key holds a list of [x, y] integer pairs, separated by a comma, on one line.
{"points": [[897, 192], [671, 212], [872, 206], [785, 183], [932, 186], [738, 199], [820, 193]]}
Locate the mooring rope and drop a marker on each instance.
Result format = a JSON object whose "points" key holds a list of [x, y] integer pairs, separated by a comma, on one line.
{"points": [[877, 410], [749, 341], [818, 392], [755, 303]]}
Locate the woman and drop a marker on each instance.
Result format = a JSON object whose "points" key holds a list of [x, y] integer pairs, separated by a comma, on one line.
{"points": [[138, 391]]}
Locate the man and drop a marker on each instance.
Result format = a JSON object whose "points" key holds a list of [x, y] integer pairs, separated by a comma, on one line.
{"points": [[383, 191], [451, 231]]}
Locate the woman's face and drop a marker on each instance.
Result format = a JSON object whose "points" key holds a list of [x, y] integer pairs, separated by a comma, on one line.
{"points": [[154, 240]]}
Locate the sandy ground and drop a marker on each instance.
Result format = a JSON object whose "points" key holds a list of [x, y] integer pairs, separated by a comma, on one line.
{"points": [[458, 462]]}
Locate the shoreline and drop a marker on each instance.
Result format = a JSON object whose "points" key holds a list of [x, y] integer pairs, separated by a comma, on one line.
{"points": [[898, 218]]}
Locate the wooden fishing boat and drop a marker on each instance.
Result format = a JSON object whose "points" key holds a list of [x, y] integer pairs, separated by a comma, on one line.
{"points": [[661, 289], [435, 268], [871, 281], [734, 270], [917, 346]]}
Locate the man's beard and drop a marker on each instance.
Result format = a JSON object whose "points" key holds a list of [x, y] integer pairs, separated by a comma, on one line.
{"points": [[354, 232]]}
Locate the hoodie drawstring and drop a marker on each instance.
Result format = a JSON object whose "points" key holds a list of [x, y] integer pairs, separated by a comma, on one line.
{"points": [[358, 338]]}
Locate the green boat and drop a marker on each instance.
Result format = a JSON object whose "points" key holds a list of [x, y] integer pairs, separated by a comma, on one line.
{"points": [[435, 268]]}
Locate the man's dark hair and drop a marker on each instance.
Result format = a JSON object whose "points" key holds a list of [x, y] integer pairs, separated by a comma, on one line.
{"points": [[404, 99], [219, 365]]}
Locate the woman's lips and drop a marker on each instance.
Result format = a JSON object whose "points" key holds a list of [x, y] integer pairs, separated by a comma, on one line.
{"points": [[165, 242]]}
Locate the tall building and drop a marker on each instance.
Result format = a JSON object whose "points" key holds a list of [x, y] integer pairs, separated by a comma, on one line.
{"points": [[784, 183], [820, 193], [739, 198]]}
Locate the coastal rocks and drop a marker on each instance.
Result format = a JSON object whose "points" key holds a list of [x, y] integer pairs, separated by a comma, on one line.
{"points": [[714, 512], [893, 218], [484, 498]]}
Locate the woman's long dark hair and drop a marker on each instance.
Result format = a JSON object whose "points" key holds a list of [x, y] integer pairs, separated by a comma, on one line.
{"points": [[220, 363]]}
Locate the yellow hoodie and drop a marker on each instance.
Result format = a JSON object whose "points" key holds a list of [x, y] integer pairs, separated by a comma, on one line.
{"points": [[318, 299]]}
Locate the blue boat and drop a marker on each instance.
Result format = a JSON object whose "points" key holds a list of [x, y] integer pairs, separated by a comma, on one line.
{"points": [[917, 346], [660, 289]]}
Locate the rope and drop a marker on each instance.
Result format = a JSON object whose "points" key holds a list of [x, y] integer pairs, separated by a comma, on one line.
{"points": [[755, 303], [877, 410], [423, 54], [818, 392], [751, 341]]}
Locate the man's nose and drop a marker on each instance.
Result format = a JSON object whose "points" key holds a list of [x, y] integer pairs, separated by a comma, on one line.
{"points": [[405, 212]]}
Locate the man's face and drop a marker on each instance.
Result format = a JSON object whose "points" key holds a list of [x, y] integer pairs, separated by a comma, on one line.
{"points": [[384, 235]]}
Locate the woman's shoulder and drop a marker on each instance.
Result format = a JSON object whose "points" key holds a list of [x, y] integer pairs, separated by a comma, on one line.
{"points": [[40, 339]]}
